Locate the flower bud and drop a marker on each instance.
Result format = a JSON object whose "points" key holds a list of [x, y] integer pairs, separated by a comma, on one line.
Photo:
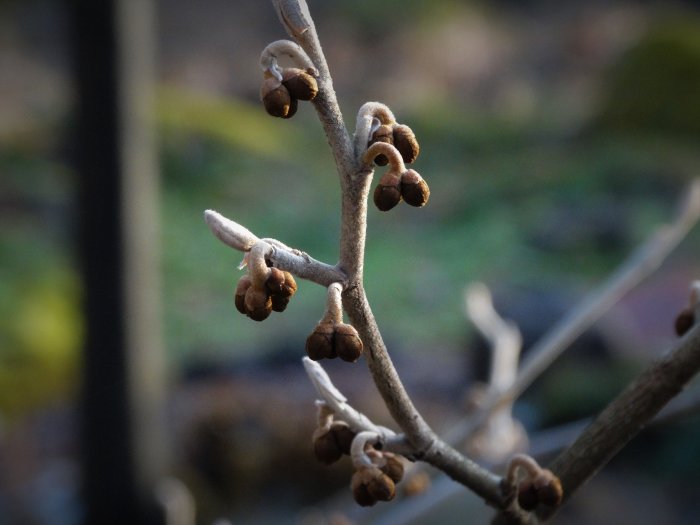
{"points": [[300, 84], [393, 467], [388, 193], [258, 304], [319, 345], [289, 287], [369, 485], [343, 436], [348, 345], [414, 189], [326, 448], [241, 288], [549, 489], [527, 495], [383, 133], [405, 141], [275, 98], [275, 281]]}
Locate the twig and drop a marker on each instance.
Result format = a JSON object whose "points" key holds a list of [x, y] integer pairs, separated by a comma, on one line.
{"points": [[627, 414]]}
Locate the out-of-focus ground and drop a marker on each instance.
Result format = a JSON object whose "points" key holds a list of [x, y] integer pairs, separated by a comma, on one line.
{"points": [[554, 137]]}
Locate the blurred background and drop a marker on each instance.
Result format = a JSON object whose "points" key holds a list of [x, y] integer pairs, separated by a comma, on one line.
{"points": [[555, 136]]}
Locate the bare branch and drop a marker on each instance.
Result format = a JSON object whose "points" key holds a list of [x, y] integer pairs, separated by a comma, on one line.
{"points": [[627, 414]]}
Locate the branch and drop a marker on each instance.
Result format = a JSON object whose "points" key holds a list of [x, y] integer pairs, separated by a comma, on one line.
{"points": [[643, 261], [294, 261], [627, 414]]}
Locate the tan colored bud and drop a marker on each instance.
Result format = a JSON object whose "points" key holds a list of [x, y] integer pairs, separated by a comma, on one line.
{"points": [[275, 98], [369, 485], [241, 288], [414, 189], [275, 281], [387, 194], [348, 345], [300, 84], [289, 287], [383, 133], [343, 436], [393, 467], [326, 448], [405, 141], [258, 304], [319, 345]]}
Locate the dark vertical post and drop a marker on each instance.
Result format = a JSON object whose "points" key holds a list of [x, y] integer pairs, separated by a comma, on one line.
{"points": [[122, 439]]}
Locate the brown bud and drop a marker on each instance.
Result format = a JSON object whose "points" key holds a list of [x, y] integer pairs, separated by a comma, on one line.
{"points": [[343, 436], [326, 448], [319, 345], [275, 98], [388, 193], [527, 495], [383, 133], [241, 288], [258, 304], [405, 141], [348, 345], [549, 489], [279, 303], [369, 485], [414, 189], [300, 84], [393, 467], [275, 281], [684, 321], [289, 287]]}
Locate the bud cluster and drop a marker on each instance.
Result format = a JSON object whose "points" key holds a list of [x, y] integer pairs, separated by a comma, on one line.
{"points": [[394, 187], [334, 339], [258, 300], [398, 135], [280, 92], [373, 483]]}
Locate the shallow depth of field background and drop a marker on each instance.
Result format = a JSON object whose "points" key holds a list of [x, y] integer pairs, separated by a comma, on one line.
{"points": [[554, 138]]}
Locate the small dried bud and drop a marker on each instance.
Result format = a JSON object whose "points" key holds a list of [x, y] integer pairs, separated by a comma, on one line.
{"points": [[319, 345], [258, 304], [241, 288], [275, 98], [279, 303], [348, 345], [393, 467], [405, 141], [684, 321], [388, 193], [289, 287], [275, 281], [527, 495], [326, 448], [343, 436], [414, 189], [369, 485], [300, 84], [383, 133], [549, 489]]}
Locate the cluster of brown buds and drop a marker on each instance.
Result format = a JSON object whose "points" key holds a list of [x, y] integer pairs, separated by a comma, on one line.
{"points": [[538, 486], [264, 289], [394, 144], [687, 317], [332, 337], [282, 88], [376, 472]]}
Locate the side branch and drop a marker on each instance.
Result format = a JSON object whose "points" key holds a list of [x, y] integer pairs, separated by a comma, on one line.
{"points": [[627, 414]]}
